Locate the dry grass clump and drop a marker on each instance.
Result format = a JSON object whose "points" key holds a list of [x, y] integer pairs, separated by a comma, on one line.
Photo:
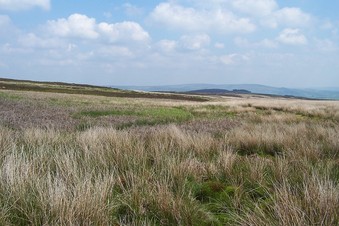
{"points": [[223, 165], [162, 175]]}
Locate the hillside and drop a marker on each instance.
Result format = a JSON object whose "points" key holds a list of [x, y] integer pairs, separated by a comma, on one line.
{"points": [[82, 158], [314, 93], [59, 87]]}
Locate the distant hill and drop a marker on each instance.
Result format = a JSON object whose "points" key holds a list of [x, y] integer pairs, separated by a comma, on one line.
{"points": [[219, 91], [71, 88], [316, 93]]}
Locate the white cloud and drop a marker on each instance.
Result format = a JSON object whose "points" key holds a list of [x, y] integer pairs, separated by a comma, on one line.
{"points": [[292, 17], [292, 37], [8, 48], [80, 38], [166, 45], [195, 42], [233, 58], [124, 31], [33, 41], [82, 26], [191, 19], [76, 25], [255, 7], [227, 59], [115, 51], [177, 16], [267, 43], [15, 5], [242, 42]]}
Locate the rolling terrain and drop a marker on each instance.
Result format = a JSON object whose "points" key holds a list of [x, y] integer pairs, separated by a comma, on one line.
{"points": [[59, 87], [311, 93], [86, 155]]}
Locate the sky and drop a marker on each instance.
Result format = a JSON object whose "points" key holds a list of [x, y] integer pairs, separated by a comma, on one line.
{"points": [[283, 43]]}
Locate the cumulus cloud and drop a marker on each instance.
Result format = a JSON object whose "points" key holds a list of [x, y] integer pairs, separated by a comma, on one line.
{"points": [[176, 16], [292, 17], [292, 37], [15, 5], [195, 42], [125, 31], [76, 25], [82, 26], [79, 38]]}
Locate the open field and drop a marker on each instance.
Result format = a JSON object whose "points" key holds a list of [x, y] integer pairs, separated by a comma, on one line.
{"points": [[72, 159]]}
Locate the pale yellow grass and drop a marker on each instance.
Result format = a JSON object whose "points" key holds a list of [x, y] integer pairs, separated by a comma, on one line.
{"points": [[277, 164]]}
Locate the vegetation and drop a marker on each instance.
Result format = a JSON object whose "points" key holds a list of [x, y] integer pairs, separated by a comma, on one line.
{"points": [[58, 87], [95, 160]]}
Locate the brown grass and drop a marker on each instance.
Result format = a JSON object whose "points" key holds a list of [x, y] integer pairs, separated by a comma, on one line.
{"points": [[234, 162]]}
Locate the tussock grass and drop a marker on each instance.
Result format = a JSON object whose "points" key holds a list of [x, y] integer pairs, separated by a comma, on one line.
{"points": [[222, 163]]}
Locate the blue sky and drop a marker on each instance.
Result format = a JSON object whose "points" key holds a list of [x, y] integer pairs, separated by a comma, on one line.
{"points": [[290, 43]]}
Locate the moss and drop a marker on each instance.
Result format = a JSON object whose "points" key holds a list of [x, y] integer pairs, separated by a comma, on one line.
{"points": [[207, 191]]}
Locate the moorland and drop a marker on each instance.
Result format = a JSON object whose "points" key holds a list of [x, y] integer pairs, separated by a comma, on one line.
{"points": [[83, 155]]}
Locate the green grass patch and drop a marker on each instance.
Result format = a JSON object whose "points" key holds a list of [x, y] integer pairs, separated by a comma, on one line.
{"points": [[9, 96], [262, 149], [146, 116], [223, 199], [95, 114]]}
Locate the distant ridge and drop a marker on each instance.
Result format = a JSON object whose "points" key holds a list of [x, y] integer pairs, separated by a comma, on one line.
{"points": [[312, 93], [219, 91], [83, 89]]}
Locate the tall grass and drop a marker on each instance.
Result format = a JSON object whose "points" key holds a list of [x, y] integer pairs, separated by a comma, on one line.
{"points": [[251, 167], [169, 176]]}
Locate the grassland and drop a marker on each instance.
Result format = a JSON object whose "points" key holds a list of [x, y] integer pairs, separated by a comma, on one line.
{"points": [[59, 87], [72, 159]]}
